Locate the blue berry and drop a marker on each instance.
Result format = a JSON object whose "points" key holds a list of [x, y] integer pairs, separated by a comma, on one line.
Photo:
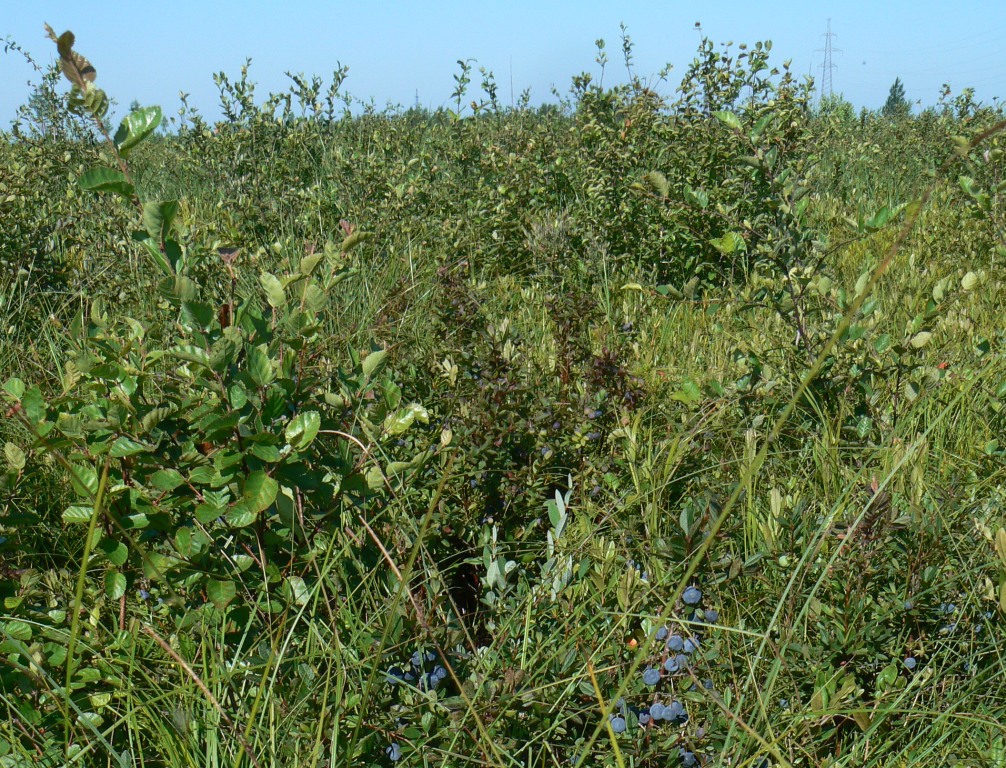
{"points": [[393, 751], [644, 717], [947, 608], [662, 634], [144, 594], [707, 684], [651, 676], [711, 616], [395, 675], [675, 643], [417, 660], [783, 703], [671, 665], [688, 759], [618, 723], [690, 645], [675, 713], [908, 605], [692, 596], [910, 663]]}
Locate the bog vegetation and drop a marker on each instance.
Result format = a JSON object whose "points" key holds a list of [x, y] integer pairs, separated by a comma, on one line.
{"points": [[661, 426]]}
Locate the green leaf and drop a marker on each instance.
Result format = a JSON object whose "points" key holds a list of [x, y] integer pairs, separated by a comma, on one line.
{"points": [[116, 552], [309, 264], [15, 456], [299, 592], [107, 180], [268, 453], [372, 362], [259, 365], [183, 542], [273, 288], [729, 243], [656, 183], [135, 127], [18, 630], [240, 515], [303, 429], [260, 491], [188, 353], [125, 446], [880, 218], [157, 219], [84, 480], [77, 513], [166, 479], [197, 314], [696, 197], [354, 239], [221, 592], [14, 387], [761, 125], [115, 585], [153, 248], [920, 339], [729, 119], [33, 405], [398, 422]]}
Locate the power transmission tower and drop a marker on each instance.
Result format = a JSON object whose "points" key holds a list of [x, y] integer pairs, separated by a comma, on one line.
{"points": [[827, 65]]}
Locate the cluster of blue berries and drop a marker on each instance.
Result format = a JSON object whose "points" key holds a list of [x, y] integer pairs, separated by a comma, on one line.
{"points": [[655, 713], [421, 671]]}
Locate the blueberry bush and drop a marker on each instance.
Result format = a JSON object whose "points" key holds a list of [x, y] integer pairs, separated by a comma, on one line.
{"points": [[658, 426]]}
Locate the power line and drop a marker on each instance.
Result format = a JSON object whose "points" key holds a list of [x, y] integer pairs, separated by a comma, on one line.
{"points": [[827, 65]]}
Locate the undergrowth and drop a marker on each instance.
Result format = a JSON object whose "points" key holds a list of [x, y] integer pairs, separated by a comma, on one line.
{"points": [[634, 430]]}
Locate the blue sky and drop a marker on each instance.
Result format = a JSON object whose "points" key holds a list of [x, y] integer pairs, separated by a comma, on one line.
{"points": [[398, 50]]}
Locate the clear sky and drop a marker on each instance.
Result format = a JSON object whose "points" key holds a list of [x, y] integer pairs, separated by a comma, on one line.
{"points": [[397, 51]]}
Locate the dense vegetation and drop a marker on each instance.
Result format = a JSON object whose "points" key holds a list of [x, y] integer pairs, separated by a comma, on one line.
{"points": [[660, 426]]}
